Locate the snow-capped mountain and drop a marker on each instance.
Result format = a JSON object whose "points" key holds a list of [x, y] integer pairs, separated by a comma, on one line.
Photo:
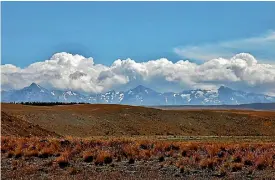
{"points": [[138, 96], [34, 92], [141, 96], [68, 96]]}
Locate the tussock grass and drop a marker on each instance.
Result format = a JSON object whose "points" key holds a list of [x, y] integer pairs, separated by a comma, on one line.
{"points": [[220, 157]]}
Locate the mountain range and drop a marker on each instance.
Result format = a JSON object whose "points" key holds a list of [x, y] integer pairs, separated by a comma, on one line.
{"points": [[137, 96]]}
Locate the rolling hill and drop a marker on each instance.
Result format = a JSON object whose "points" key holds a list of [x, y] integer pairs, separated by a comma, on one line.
{"points": [[86, 120], [13, 126]]}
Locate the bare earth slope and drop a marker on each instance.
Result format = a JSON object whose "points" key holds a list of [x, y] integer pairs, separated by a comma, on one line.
{"points": [[13, 126], [100, 119]]}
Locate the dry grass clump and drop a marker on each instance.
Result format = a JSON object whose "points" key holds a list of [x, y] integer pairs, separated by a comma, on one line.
{"points": [[144, 155], [46, 152], [145, 144], [249, 159], [236, 158], [261, 163], [63, 159], [17, 153], [212, 149], [88, 156], [31, 153], [131, 150], [103, 157]]}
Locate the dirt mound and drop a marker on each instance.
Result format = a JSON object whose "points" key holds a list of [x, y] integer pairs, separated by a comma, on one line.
{"points": [[116, 120], [13, 126]]}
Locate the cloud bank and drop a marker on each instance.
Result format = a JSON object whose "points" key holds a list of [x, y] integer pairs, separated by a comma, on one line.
{"points": [[75, 72]]}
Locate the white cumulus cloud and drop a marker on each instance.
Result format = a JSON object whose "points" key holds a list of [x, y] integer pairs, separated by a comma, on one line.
{"points": [[76, 72]]}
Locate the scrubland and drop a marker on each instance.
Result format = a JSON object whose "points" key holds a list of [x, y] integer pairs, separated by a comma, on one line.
{"points": [[136, 158], [128, 142]]}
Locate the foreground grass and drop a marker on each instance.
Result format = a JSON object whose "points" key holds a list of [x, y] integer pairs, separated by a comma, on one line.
{"points": [[220, 157]]}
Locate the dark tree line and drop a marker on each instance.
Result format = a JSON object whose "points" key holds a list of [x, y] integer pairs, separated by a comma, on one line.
{"points": [[48, 103]]}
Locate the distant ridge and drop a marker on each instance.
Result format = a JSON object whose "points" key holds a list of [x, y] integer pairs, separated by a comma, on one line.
{"points": [[138, 96], [252, 106]]}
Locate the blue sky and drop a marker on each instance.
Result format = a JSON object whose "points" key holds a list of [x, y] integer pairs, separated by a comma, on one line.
{"points": [[106, 31], [182, 45]]}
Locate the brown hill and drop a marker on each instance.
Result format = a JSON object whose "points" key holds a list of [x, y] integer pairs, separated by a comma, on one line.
{"points": [[100, 119], [13, 126]]}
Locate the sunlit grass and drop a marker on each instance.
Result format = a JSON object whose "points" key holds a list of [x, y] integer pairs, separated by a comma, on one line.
{"points": [[222, 157]]}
